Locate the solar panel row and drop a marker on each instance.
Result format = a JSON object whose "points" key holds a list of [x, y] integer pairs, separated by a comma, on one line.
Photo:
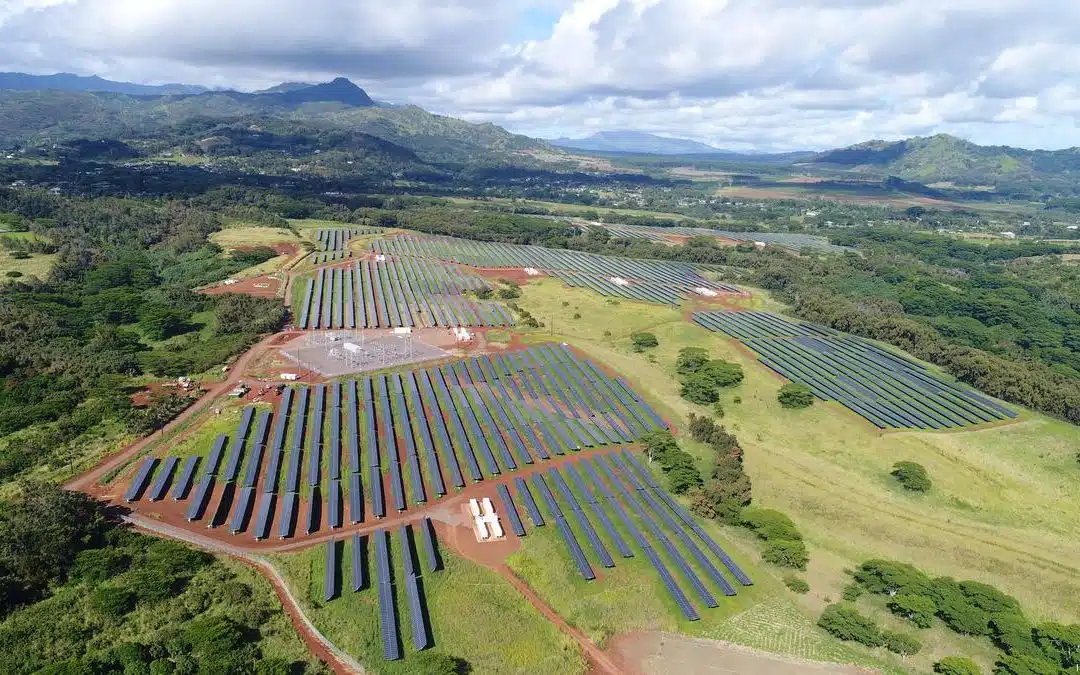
{"points": [[412, 591], [564, 528], [511, 510], [187, 473], [387, 607]]}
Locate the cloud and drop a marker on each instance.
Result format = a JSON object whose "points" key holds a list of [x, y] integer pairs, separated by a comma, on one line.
{"points": [[761, 74]]}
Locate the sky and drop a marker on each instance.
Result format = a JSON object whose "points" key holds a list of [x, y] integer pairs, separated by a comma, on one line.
{"points": [[764, 75]]}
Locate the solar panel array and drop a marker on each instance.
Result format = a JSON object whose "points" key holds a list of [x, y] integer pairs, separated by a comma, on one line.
{"points": [[408, 436], [333, 244], [646, 280], [387, 604], [396, 293], [792, 241], [888, 389]]}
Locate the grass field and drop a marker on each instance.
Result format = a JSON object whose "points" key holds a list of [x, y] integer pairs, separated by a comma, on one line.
{"points": [[37, 265], [1005, 507], [476, 615], [240, 234], [567, 209]]}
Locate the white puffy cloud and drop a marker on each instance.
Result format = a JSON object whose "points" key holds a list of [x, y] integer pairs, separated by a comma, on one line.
{"points": [[748, 74]]}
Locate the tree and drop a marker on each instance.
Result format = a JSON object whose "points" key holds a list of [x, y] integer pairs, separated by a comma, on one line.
{"points": [[683, 477], [722, 373], [901, 643], [770, 524], [794, 395], [1060, 642], [888, 577], [844, 622], [1026, 665], [912, 476], [918, 609], [699, 389], [957, 665], [1014, 634], [643, 341], [786, 553], [690, 360]]}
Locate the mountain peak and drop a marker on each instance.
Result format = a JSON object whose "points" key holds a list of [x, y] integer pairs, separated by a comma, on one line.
{"points": [[338, 90], [636, 142]]}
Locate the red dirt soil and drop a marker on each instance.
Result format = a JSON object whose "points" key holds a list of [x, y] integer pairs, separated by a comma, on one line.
{"points": [[515, 274], [249, 287]]}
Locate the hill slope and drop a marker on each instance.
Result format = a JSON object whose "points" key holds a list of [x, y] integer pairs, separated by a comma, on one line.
{"points": [[947, 159], [45, 117]]}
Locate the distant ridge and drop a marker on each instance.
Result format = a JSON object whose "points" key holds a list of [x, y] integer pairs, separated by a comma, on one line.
{"points": [[637, 142], [93, 83]]}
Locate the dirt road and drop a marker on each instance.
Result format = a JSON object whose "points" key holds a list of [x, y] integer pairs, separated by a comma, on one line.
{"points": [[88, 480], [320, 646]]}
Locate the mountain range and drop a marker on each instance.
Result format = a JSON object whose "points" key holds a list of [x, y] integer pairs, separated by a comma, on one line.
{"points": [[637, 142], [64, 108], [70, 82]]}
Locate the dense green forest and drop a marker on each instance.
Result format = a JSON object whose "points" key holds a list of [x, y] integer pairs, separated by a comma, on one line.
{"points": [[80, 593], [117, 304]]}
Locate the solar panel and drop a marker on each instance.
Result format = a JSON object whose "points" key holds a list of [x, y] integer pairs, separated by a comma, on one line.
{"points": [[288, 515], [356, 499], [232, 466], [161, 482], [658, 534], [661, 568], [215, 453], [273, 470], [583, 521], [315, 449], [359, 544], [183, 484], [511, 510], [262, 519], [251, 473], [419, 418], [378, 507], [427, 543], [334, 449], [397, 489], [387, 608], [412, 592], [202, 494], [334, 504], [567, 534], [527, 499], [138, 483], [241, 511], [598, 512], [330, 579], [351, 438]]}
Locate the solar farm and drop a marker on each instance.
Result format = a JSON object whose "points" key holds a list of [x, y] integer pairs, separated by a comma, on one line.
{"points": [[333, 244], [543, 428], [886, 388], [645, 280], [791, 241], [380, 443], [396, 294]]}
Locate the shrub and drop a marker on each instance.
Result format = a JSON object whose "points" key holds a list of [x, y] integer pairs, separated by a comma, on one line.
{"points": [[796, 584], [794, 395], [13, 274], [912, 476], [853, 592], [577, 315], [483, 293], [901, 643], [1060, 642], [786, 553], [699, 389], [112, 602], [509, 292], [1014, 634], [918, 609], [845, 623], [718, 410], [892, 578], [690, 360], [643, 341], [722, 373], [678, 464], [770, 524], [957, 665], [1026, 665]]}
